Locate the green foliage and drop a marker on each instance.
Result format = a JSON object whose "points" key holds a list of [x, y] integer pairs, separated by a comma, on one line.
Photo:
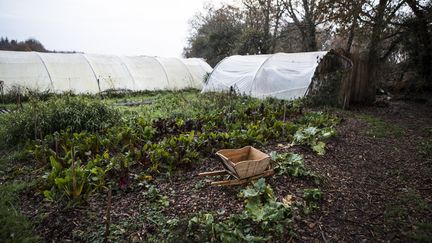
{"points": [[175, 132], [263, 219], [14, 226], [311, 197], [261, 206], [38, 119], [172, 152], [199, 185], [92, 158], [216, 36], [155, 197], [290, 164], [81, 162], [71, 178], [10, 164], [316, 128]]}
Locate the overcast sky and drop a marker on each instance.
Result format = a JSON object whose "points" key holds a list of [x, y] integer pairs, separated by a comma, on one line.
{"points": [[124, 27]]}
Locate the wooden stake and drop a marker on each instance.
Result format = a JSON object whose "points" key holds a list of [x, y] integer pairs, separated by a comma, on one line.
{"points": [[242, 181], [213, 173], [108, 216]]}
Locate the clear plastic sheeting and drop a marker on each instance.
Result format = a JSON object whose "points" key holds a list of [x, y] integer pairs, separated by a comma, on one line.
{"points": [[91, 73], [24, 70], [147, 73], [199, 70], [282, 75], [69, 73], [179, 77]]}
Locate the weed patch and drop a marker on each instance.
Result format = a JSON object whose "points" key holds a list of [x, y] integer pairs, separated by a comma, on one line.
{"points": [[422, 232], [408, 204], [14, 226], [38, 119], [378, 128], [425, 146]]}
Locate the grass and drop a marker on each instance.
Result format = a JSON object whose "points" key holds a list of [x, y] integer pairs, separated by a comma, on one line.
{"points": [[379, 128], [425, 148], [422, 232], [14, 226], [425, 145], [410, 203]]}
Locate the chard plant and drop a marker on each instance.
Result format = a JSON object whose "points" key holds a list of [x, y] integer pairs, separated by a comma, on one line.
{"points": [[263, 219]]}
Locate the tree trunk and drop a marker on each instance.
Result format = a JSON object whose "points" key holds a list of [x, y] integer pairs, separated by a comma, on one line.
{"points": [[373, 54], [351, 34], [307, 25], [265, 48], [278, 15], [312, 44]]}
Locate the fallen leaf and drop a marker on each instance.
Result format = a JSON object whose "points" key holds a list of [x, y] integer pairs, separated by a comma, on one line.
{"points": [[288, 200]]}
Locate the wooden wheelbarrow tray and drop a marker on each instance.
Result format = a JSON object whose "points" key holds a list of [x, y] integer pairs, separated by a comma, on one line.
{"points": [[245, 165]]}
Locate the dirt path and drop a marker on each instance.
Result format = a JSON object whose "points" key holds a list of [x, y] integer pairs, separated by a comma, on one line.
{"points": [[378, 187]]}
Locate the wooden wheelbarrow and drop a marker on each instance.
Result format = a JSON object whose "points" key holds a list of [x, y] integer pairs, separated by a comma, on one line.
{"points": [[245, 165]]}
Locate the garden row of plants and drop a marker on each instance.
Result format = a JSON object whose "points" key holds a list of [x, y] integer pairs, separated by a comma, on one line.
{"points": [[262, 219], [84, 146], [87, 145]]}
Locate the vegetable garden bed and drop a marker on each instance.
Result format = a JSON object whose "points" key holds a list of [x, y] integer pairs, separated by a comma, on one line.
{"points": [[148, 158]]}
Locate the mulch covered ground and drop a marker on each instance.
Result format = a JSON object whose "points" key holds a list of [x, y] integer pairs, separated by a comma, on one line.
{"points": [[375, 188]]}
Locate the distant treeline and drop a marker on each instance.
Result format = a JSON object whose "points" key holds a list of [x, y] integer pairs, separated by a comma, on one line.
{"points": [[30, 44]]}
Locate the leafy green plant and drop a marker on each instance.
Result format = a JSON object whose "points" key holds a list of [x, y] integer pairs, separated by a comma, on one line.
{"points": [[199, 185], [261, 206], [154, 196], [314, 137], [311, 197], [314, 129], [71, 178], [263, 219], [290, 164]]}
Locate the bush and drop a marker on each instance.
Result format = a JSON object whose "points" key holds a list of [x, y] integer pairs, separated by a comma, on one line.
{"points": [[38, 119]]}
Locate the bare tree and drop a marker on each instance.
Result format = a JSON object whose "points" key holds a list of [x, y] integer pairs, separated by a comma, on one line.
{"points": [[265, 17], [306, 16]]}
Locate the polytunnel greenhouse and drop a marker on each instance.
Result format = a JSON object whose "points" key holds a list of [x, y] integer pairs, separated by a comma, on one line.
{"points": [[281, 75], [92, 73]]}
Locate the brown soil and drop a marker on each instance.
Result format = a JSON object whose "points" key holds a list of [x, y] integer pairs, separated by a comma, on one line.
{"points": [[375, 189]]}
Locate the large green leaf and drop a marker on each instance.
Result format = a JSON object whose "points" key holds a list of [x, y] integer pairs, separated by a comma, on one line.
{"points": [[319, 148]]}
